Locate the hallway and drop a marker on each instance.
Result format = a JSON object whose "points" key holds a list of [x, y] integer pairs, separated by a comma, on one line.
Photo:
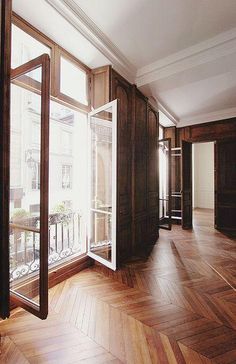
{"points": [[203, 217], [176, 306]]}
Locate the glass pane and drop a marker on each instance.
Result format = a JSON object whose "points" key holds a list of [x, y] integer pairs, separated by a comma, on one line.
{"points": [[25, 184], [101, 164], [73, 81], [101, 239], [26, 48], [102, 171], [67, 183]]}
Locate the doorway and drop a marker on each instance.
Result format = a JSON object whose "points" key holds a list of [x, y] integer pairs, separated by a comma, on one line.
{"points": [[203, 185]]}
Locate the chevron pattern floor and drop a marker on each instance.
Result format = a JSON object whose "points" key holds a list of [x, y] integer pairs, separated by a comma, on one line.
{"points": [[174, 304]]}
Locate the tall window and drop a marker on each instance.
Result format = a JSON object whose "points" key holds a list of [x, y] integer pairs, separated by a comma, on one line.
{"points": [[69, 76], [35, 182], [66, 176], [68, 142]]}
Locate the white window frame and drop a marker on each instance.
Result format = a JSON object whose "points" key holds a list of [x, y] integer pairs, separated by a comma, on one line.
{"points": [[113, 105]]}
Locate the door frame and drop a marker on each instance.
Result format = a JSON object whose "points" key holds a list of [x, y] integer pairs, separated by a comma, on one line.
{"points": [[5, 69], [215, 179], [186, 180], [168, 226]]}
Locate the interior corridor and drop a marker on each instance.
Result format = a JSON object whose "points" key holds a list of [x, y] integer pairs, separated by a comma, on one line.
{"points": [[176, 305]]}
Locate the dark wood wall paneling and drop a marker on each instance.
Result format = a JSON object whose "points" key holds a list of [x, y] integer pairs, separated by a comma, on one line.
{"points": [[208, 132], [138, 126], [122, 90], [223, 132], [225, 180], [172, 133], [139, 168], [152, 175]]}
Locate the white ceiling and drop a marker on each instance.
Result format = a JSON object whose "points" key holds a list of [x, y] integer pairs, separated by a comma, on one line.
{"points": [[180, 52], [51, 23], [148, 30]]}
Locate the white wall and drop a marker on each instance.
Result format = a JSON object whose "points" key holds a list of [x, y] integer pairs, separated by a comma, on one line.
{"points": [[203, 175]]}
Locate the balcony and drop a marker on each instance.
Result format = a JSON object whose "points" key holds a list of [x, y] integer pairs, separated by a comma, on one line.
{"points": [[65, 240]]}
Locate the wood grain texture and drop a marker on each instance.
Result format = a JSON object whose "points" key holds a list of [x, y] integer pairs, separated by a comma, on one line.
{"points": [[167, 305], [5, 67]]}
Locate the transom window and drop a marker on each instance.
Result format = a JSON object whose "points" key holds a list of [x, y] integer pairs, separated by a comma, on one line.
{"points": [[69, 76]]}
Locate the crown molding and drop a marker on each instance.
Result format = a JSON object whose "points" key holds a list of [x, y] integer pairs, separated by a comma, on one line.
{"points": [[203, 52], [70, 11], [167, 113], [208, 117], [158, 106]]}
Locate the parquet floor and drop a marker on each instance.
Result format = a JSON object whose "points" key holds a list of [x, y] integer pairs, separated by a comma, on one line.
{"points": [[176, 304]]}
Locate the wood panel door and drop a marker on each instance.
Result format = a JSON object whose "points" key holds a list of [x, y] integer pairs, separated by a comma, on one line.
{"points": [[225, 185], [122, 91], [152, 175], [5, 67], [139, 170], [186, 182], [140, 154]]}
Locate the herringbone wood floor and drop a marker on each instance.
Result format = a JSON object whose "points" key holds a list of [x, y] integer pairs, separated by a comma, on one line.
{"points": [[176, 304]]}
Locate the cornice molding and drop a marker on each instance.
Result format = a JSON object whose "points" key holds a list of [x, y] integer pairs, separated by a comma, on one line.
{"points": [[158, 106], [70, 11], [168, 114], [203, 52], [208, 117]]}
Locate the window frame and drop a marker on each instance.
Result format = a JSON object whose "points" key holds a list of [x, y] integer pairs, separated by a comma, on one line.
{"points": [[40, 310], [56, 53], [61, 53], [71, 264]]}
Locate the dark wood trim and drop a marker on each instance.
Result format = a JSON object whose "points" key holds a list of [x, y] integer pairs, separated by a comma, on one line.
{"points": [[44, 186], [220, 130], [56, 53], [41, 37], [57, 275], [122, 91], [31, 30], [5, 69], [225, 187], [70, 101], [152, 178], [216, 178], [60, 52], [28, 66], [186, 185], [133, 168], [101, 88], [41, 311], [208, 132], [60, 273]]}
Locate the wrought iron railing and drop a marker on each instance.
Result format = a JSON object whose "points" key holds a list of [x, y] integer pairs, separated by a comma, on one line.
{"points": [[65, 240]]}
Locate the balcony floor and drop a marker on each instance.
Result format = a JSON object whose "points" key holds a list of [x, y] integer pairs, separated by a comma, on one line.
{"points": [[175, 305]]}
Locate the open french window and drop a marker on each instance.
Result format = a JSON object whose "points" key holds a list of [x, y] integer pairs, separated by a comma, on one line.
{"points": [[29, 170], [102, 178]]}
